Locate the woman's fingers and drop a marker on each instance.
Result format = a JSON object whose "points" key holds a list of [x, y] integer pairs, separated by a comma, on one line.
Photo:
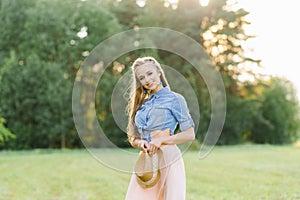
{"points": [[146, 145], [143, 146], [152, 149]]}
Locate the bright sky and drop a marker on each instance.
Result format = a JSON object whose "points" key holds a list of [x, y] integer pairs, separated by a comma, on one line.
{"points": [[276, 25]]}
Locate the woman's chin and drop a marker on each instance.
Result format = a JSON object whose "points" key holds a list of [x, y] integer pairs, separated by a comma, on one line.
{"points": [[152, 87]]}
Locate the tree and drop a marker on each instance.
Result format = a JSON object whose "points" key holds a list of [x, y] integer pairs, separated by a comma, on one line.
{"points": [[12, 20], [278, 120], [5, 134], [39, 64], [35, 98], [219, 29]]}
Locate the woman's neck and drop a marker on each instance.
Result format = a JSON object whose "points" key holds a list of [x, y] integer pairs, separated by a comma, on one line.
{"points": [[159, 87]]}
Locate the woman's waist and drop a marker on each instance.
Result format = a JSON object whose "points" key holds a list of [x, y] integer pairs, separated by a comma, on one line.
{"points": [[160, 133]]}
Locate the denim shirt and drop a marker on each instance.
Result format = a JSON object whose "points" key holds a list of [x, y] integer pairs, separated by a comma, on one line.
{"points": [[165, 109]]}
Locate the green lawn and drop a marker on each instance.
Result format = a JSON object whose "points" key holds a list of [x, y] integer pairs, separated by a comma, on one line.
{"points": [[235, 172]]}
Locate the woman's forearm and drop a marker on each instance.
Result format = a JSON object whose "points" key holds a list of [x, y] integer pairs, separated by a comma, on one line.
{"points": [[179, 138], [135, 143]]}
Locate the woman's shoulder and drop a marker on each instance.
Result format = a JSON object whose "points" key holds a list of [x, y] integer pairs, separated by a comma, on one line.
{"points": [[177, 96]]}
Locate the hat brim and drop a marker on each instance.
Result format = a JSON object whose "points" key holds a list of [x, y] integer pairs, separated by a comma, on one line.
{"points": [[147, 169]]}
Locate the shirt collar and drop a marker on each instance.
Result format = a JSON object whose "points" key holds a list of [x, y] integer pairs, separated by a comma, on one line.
{"points": [[160, 92]]}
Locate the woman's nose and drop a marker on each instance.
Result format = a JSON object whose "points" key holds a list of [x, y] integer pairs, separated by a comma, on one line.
{"points": [[147, 79]]}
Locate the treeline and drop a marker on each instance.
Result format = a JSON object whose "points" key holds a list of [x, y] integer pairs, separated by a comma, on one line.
{"points": [[44, 43]]}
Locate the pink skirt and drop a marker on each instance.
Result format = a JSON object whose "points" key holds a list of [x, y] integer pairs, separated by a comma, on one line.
{"points": [[171, 186]]}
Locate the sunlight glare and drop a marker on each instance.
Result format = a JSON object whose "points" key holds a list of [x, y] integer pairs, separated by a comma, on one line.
{"points": [[204, 3], [214, 29], [83, 32], [173, 1], [141, 3], [208, 35], [214, 51], [246, 78], [174, 6], [85, 53]]}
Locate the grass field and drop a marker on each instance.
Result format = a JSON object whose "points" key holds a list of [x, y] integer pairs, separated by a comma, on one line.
{"points": [[236, 172]]}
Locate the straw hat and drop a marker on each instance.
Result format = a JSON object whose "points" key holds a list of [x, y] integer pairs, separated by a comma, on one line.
{"points": [[147, 169]]}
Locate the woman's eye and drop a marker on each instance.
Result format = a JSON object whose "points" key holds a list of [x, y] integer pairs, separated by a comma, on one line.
{"points": [[141, 78], [150, 73]]}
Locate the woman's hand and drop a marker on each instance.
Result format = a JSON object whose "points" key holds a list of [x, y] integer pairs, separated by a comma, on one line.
{"points": [[157, 141], [143, 145], [152, 149]]}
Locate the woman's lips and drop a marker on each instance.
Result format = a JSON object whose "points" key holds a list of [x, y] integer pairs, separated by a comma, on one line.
{"points": [[149, 85]]}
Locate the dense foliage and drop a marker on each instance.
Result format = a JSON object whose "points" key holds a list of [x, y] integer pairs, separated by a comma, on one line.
{"points": [[43, 44]]}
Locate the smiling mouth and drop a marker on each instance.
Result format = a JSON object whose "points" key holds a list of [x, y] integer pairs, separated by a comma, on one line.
{"points": [[149, 85]]}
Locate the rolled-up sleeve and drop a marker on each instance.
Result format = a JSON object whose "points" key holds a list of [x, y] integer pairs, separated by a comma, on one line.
{"points": [[181, 113]]}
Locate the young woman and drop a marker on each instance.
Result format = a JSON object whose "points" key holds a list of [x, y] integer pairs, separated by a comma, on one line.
{"points": [[154, 113]]}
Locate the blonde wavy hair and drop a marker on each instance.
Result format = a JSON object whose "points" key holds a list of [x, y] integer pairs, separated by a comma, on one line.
{"points": [[138, 94]]}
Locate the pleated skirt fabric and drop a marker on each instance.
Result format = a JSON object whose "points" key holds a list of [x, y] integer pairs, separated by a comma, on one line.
{"points": [[172, 184]]}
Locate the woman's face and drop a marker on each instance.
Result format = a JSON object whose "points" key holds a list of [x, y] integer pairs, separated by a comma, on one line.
{"points": [[149, 77]]}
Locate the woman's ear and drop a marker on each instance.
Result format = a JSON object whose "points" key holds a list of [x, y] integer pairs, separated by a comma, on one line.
{"points": [[158, 71]]}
